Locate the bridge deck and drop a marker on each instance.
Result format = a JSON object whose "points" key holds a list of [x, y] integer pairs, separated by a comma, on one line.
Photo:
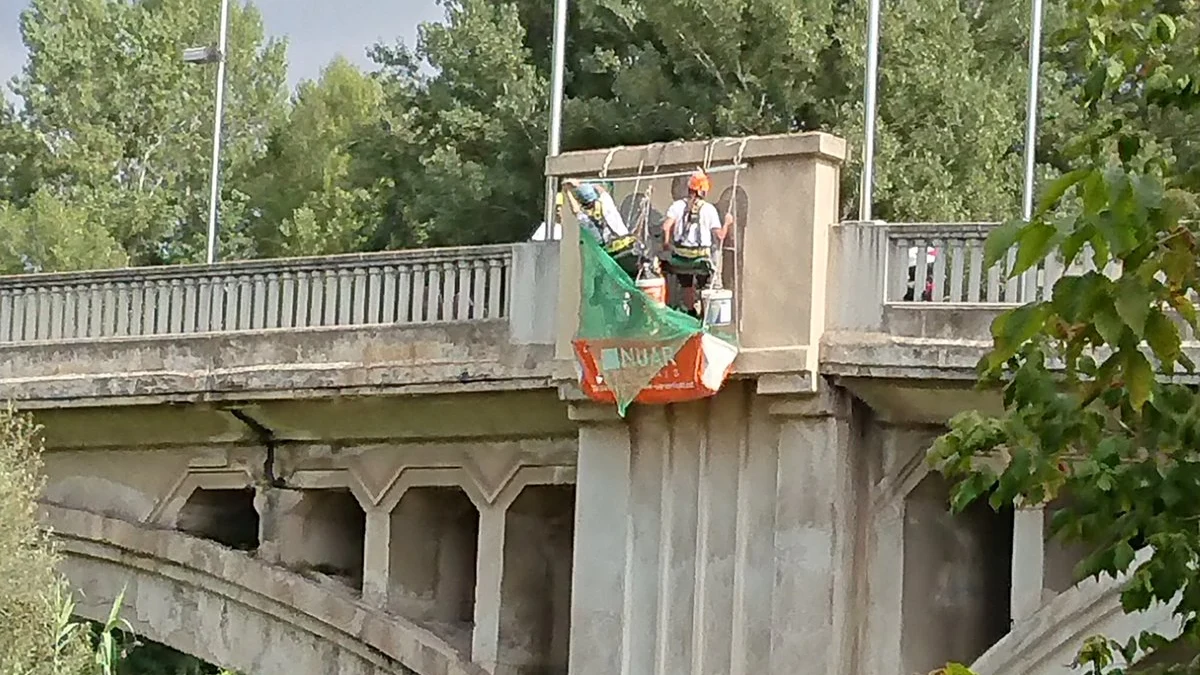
{"points": [[464, 319]]}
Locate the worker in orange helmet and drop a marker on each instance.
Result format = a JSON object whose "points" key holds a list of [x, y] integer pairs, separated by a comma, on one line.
{"points": [[692, 230]]}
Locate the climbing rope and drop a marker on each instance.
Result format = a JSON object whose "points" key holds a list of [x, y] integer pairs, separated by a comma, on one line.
{"points": [[608, 160], [644, 216], [641, 227], [732, 210], [708, 153], [633, 196], [638, 223]]}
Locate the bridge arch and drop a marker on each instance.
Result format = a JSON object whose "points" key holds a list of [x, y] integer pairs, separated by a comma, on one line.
{"points": [[1047, 642], [231, 609]]}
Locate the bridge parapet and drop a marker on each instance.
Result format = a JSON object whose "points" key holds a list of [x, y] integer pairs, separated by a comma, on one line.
{"points": [[888, 277], [910, 313], [383, 321], [393, 287], [929, 279]]}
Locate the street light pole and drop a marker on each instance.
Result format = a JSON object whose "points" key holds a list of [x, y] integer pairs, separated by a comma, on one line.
{"points": [[214, 178], [1031, 112], [554, 146], [867, 191]]}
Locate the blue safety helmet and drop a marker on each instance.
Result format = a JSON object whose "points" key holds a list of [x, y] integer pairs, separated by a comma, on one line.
{"points": [[587, 194]]}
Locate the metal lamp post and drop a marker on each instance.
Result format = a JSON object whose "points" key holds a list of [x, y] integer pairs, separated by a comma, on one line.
{"points": [[554, 146], [1031, 112], [866, 194], [209, 55]]}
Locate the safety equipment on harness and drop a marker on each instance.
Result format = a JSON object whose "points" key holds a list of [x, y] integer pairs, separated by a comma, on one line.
{"points": [[688, 226], [621, 246]]}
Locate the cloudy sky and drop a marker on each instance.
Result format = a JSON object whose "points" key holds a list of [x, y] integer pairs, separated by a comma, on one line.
{"points": [[316, 29]]}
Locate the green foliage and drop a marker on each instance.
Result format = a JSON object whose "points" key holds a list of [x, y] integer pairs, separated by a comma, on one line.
{"points": [[462, 153], [453, 153], [307, 200], [56, 233], [658, 71], [116, 124], [42, 636], [34, 600], [141, 657], [1091, 408], [952, 669]]}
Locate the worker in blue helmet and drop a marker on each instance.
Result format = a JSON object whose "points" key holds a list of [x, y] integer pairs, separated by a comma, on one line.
{"points": [[594, 207]]}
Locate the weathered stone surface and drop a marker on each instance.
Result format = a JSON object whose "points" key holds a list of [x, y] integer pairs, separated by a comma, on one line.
{"points": [[227, 607], [316, 362], [1047, 642]]}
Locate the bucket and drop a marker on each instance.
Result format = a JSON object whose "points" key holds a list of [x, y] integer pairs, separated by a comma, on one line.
{"points": [[655, 288], [718, 306]]}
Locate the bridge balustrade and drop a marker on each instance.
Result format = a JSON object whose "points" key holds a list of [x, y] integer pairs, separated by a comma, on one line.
{"points": [[876, 269], [394, 287], [951, 255], [929, 279]]}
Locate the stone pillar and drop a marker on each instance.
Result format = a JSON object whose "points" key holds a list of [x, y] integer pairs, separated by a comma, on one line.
{"points": [[271, 503], [790, 191], [489, 574], [717, 537], [896, 466], [882, 651], [816, 527], [377, 557], [1028, 561], [601, 518]]}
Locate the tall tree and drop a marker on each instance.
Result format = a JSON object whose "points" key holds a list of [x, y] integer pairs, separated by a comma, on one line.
{"points": [[466, 162], [1093, 408], [309, 197], [463, 151], [117, 123], [56, 233]]}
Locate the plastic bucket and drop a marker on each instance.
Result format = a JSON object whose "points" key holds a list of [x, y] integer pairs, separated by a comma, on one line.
{"points": [[718, 306], [655, 288]]}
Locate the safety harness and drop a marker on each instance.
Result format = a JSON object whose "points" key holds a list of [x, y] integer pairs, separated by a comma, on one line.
{"points": [[615, 245], [690, 256]]}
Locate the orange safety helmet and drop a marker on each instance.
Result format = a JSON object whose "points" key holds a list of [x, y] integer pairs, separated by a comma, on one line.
{"points": [[699, 183]]}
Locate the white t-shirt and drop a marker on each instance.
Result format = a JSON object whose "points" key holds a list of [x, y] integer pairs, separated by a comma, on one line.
{"points": [[698, 234], [612, 218]]}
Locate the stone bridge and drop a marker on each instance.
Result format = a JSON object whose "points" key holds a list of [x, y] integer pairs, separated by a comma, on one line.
{"points": [[380, 463]]}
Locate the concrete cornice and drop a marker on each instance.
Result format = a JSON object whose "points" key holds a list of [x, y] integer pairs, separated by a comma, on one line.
{"points": [[692, 153], [310, 363]]}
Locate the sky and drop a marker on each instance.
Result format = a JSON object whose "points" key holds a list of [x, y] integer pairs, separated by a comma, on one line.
{"points": [[317, 30]]}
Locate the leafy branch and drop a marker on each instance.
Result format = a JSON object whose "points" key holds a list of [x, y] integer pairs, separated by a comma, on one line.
{"points": [[1095, 409]]}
